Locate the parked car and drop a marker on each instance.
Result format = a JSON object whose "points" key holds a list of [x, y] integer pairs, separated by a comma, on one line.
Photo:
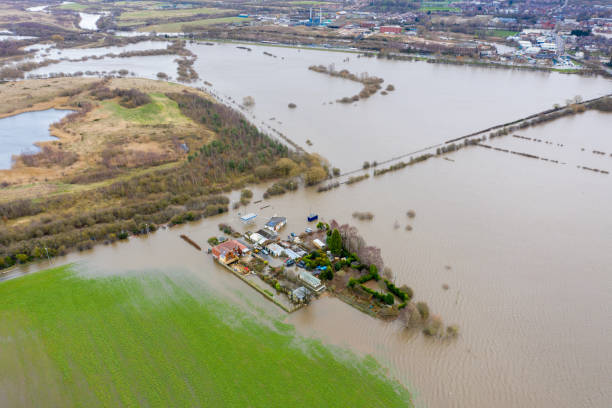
{"points": [[289, 262], [308, 230], [301, 264]]}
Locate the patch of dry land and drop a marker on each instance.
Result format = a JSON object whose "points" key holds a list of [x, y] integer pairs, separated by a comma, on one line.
{"points": [[108, 134], [15, 13]]}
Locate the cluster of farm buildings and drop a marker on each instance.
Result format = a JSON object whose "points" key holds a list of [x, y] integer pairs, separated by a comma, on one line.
{"points": [[267, 245]]}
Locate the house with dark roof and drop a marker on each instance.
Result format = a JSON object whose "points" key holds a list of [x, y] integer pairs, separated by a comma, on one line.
{"points": [[276, 223]]}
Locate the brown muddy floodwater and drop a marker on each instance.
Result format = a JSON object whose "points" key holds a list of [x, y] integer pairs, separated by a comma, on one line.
{"points": [[524, 246]]}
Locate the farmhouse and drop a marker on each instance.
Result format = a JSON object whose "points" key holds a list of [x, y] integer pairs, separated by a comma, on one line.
{"points": [[229, 251]]}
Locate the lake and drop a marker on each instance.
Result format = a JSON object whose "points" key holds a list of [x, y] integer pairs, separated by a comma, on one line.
{"points": [[18, 134]]}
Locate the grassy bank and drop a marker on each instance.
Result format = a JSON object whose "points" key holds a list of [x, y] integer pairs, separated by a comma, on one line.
{"points": [[187, 25], [133, 341]]}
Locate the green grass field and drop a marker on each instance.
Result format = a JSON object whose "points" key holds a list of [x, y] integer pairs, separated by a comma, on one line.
{"points": [[174, 13], [500, 33], [440, 8], [177, 27], [160, 111], [148, 340]]}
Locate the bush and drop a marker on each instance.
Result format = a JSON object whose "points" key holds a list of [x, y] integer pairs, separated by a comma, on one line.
{"points": [[314, 176], [433, 327], [212, 241], [423, 309], [396, 291], [452, 331], [327, 274]]}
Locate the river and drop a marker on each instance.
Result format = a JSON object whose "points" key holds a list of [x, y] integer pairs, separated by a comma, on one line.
{"points": [[523, 244]]}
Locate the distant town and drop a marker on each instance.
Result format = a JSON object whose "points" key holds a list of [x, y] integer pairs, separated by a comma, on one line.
{"points": [[553, 34]]}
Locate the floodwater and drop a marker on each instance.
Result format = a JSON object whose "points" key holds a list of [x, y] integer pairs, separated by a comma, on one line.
{"points": [[88, 21], [19, 133], [432, 102], [523, 244], [37, 8]]}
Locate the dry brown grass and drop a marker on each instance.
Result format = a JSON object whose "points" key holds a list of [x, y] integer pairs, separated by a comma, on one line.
{"points": [[12, 14], [108, 138]]}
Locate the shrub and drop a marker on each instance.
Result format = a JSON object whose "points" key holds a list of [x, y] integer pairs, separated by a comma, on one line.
{"points": [[363, 216], [433, 327], [314, 176], [396, 291], [212, 241], [423, 309], [452, 331]]}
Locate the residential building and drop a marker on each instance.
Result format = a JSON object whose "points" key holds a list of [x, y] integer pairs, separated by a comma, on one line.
{"points": [[276, 223], [390, 29], [311, 282], [229, 251]]}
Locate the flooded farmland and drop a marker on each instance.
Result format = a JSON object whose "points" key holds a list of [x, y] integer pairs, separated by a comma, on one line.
{"points": [[523, 244], [431, 103]]}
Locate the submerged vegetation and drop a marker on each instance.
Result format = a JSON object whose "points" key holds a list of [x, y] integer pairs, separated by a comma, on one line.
{"points": [[67, 337], [371, 84]]}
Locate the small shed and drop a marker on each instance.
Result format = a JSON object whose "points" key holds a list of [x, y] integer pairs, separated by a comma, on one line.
{"points": [[318, 243], [248, 218]]}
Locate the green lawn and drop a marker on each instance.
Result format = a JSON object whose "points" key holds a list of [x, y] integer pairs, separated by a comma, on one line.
{"points": [[500, 33], [441, 8], [148, 340], [177, 27], [174, 13], [160, 111]]}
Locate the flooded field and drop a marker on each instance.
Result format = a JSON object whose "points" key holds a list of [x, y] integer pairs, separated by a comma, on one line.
{"points": [[431, 103], [88, 21], [523, 244], [19, 133], [499, 229]]}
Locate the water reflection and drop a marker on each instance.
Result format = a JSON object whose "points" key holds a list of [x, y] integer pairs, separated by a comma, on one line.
{"points": [[19, 133]]}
